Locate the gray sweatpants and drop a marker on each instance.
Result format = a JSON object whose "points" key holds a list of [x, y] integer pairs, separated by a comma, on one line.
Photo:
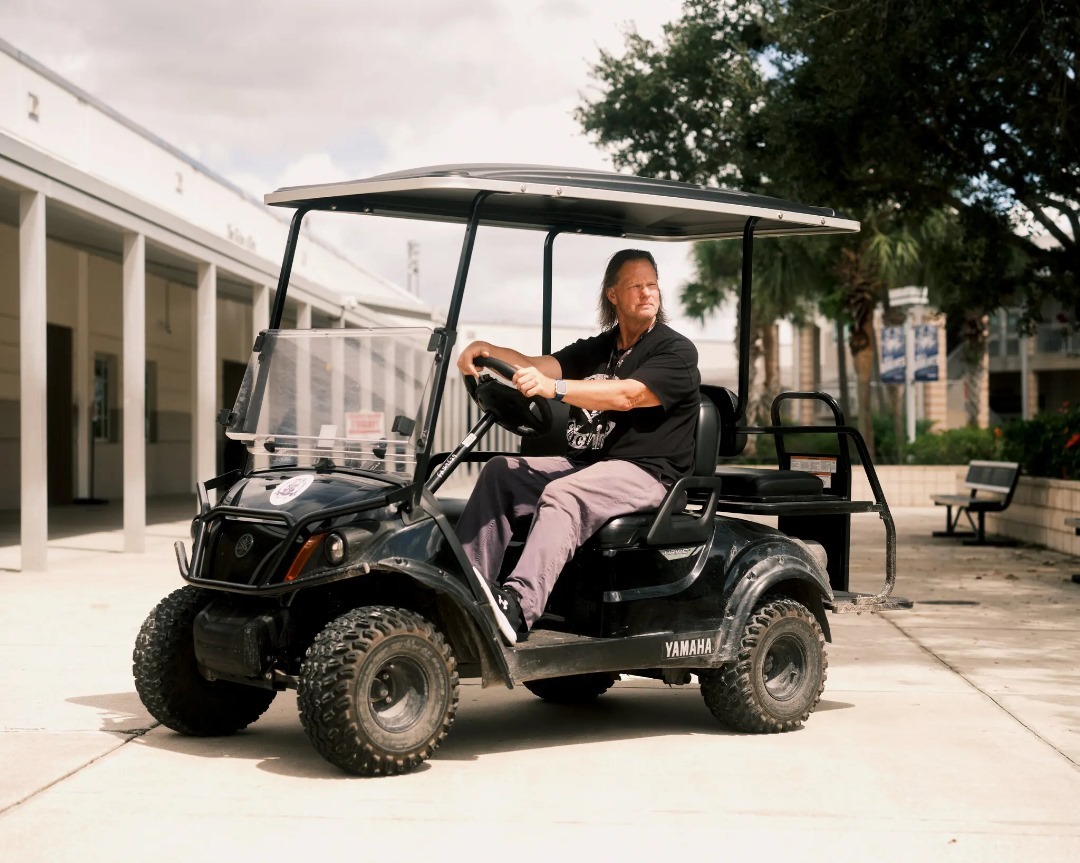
{"points": [[568, 505]]}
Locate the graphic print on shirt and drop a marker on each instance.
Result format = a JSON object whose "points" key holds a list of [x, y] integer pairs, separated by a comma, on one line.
{"points": [[588, 429]]}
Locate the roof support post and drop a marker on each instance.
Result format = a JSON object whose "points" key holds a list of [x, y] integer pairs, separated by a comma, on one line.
{"points": [[549, 244], [134, 363], [744, 317], [286, 267], [443, 361], [33, 459]]}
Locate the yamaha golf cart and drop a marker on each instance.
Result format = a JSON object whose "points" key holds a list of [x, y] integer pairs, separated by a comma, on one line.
{"points": [[330, 565]]}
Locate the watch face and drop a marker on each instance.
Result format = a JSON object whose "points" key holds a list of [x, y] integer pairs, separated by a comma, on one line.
{"points": [[560, 388]]}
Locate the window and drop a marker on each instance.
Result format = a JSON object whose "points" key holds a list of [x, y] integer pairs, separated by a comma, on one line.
{"points": [[104, 365]]}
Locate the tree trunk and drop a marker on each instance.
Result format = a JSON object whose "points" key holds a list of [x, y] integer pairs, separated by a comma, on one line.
{"points": [[841, 368], [861, 290], [862, 357], [770, 349], [975, 335]]}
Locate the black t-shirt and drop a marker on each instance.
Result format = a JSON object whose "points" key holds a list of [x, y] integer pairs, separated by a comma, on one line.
{"points": [[659, 439]]}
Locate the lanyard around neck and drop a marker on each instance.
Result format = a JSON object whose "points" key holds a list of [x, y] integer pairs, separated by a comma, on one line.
{"points": [[617, 357]]}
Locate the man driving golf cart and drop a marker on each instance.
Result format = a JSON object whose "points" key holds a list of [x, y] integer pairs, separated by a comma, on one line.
{"points": [[633, 397]]}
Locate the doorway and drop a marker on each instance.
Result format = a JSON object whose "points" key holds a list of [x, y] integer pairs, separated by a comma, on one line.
{"points": [[59, 404], [231, 454]]}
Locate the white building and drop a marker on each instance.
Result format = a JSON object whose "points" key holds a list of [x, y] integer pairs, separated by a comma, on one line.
{"points": [[132, 282]]}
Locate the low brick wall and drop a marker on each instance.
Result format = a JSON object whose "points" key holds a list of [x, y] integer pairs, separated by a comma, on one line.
{"points": [[910, 485], [1038, 512]]}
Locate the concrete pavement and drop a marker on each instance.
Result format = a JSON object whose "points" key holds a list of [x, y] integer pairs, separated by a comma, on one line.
{"points": [[949, 732]]}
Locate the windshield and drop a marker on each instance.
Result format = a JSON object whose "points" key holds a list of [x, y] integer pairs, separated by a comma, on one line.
{"points": [[355, 397]]}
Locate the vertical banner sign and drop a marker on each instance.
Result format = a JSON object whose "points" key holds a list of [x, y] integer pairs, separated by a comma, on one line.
{"points": [[926, 352], [892, 355]]}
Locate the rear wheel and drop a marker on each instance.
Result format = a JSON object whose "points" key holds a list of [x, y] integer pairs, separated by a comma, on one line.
{"points": [[378, 691], [572, 689], [167, 676], [778, 678]]}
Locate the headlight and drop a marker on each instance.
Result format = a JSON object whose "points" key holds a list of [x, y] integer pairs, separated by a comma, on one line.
{"points": [[335, 549]]}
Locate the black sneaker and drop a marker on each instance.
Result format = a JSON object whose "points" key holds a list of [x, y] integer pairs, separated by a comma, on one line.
{"points": [[508, 615], [507, 607]]}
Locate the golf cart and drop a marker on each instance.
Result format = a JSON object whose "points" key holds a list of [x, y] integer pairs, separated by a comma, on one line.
{"points": [[330, 566]]}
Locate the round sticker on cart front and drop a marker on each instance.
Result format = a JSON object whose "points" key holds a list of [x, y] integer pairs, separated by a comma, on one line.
{"points": [[291, 489]]}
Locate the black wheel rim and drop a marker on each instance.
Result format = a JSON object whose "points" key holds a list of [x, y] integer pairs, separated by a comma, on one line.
{"points": [[398, 694], [784, 668]]}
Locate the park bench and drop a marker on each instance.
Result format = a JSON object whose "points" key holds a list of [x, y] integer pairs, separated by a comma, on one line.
{"points": [[990, 485]]}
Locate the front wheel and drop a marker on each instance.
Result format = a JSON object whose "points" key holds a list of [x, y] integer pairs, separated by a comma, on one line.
{"points": [[378, 691], [779, 675], [167, 675]]}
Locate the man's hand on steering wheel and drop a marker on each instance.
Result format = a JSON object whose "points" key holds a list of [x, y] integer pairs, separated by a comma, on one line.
{"points": [[532, 382], [499, 393], [469, 354]]}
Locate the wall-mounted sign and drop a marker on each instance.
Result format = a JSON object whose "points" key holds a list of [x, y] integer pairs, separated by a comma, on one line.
{"points": [[892, 355]]}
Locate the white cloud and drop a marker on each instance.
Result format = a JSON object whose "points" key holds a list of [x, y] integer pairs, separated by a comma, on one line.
{"points": [[274, 92]]}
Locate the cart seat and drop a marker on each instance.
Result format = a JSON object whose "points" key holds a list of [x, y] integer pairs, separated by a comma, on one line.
{"points": [[752, 483], [686, 508], [766, 484]]}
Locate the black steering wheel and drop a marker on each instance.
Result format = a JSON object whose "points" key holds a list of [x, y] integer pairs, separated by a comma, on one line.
{"points": [[495, 393]]}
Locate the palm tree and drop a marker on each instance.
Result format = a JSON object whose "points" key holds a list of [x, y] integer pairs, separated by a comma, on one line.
{"points": [[787, 280]]}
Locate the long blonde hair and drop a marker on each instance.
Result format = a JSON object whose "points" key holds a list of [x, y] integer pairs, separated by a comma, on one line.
{"points": [[605, 309]]}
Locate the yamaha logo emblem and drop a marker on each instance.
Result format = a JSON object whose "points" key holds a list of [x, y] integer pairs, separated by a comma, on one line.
{"points": [[244, 544]]}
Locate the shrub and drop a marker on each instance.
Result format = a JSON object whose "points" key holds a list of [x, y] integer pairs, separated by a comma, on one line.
{"points": [[1047, 445], [956, 446]]}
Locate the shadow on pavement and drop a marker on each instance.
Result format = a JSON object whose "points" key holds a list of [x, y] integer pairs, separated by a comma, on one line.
{"points": [[278, 745], [123, 711]]}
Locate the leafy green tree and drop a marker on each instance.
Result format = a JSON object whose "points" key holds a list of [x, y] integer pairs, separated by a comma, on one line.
{"points": [[892, 112], [970, 105]]}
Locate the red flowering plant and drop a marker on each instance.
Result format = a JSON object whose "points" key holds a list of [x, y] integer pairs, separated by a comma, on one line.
{"points": [[1047, 445]]}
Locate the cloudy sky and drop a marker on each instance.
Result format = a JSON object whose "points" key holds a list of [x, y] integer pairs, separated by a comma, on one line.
{"points": [[278, 92]]}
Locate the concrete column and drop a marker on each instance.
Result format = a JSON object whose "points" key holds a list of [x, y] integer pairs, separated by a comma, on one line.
{"points": [[134, 362], [984, 391], [1029, 380], [260, 320], [260, 310], [365, 375], [337, 381], [204, 430], [304, 426], [936, 393], [84, 377], [303, 316], [33, 456]]}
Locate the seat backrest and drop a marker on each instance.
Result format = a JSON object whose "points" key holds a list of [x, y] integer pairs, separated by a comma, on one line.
{"points": [[730, 442], [999, 477], [706, 438]]}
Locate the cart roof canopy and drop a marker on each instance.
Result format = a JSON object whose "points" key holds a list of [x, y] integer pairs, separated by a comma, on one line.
{"points": [[545, 198]]}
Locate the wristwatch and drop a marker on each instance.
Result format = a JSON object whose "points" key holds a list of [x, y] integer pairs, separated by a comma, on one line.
{"points": [[560, 389]]}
